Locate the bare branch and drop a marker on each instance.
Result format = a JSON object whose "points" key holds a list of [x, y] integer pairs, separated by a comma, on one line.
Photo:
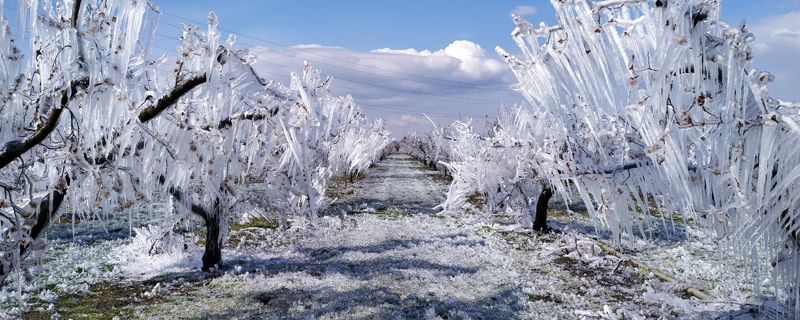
{"points": [[16, 148], [171, 98]]}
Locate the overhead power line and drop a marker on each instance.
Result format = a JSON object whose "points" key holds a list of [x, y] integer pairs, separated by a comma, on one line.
{"points": [[360, 32], [369, 73], [461, 84], [438, 114], [398, 91], [405, 91]]}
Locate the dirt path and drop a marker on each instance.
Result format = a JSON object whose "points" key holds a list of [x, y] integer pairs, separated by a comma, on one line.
{"points": [[383, 252], [398, 183], [393, 259]]}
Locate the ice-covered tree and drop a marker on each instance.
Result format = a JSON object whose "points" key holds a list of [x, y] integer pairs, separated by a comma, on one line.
{"points": [[237, 129], [430, 147], [652, 106], [93, 124], [326, 136], [510, 167], [68, 95]]}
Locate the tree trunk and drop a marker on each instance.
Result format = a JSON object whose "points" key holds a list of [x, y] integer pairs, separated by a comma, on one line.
{"points": [[48, 209], [540, 220], [212, 257], [215, 222]]}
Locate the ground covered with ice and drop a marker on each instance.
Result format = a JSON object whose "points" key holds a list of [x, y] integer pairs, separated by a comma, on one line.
{"points": [[384, 252]]}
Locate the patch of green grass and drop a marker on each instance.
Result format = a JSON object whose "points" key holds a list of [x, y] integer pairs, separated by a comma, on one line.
{"points": [[259, 222], [102, 301], [477, 200], [562, 214], [339, 179], [235, 227], [485, 229], [36, 315], [235, 236], [346, 179], [341, 186], [114, 299], [654, 212], [389, 213], [442, 177]]}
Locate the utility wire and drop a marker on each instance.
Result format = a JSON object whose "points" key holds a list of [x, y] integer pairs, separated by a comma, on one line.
{"points": [[402, 91], [335, 65], [398, 109], [399, 91], [462, 84], [327, 23], [406, 91], [406, 111]]}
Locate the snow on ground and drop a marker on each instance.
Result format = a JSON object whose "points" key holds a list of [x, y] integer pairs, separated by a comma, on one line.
{"points": [[77, 257], [399, 183], [382, 252], [379, 267]]}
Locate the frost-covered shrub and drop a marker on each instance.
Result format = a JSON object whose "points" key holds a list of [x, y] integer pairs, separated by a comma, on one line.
{"points": [[431, 148]]}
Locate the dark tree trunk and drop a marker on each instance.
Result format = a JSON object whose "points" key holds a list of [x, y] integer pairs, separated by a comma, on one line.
{"points": [[212, 257], [540, 220], [215, 222], [48, 208]]}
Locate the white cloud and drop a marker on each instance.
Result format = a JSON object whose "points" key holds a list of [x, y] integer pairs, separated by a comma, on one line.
{"points": [[460, 79], [776, 49], [523, 10], [312, 46], [469, 57], [407, 120], [791, 35], [401, 124]]}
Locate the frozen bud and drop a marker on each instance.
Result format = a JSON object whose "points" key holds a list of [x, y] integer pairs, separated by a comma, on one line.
{"points": [[213, 21], [230, 41]]}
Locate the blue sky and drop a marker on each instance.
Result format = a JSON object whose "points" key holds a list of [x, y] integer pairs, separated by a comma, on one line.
{"points": [[400, 90], [426, 24], [452, 70], [366, 24]]}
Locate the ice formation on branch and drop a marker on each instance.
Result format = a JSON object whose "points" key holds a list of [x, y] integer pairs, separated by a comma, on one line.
{"points": [[432, 148], [68, 97], [644, 106], [510, 166], [89, 121]]}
